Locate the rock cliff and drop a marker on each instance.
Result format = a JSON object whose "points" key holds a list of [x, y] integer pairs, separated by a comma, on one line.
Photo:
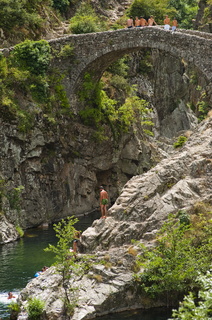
{"points": [[55, 170], [178, 182]]}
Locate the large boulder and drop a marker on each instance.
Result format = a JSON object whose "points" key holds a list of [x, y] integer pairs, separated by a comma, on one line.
{"points": [[8, 232]]}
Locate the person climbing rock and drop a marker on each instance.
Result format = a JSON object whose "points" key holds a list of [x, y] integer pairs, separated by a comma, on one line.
{"points": [[103, 202]]}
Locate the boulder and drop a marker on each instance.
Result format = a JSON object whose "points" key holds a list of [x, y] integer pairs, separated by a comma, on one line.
{"points": [[8, 231]]}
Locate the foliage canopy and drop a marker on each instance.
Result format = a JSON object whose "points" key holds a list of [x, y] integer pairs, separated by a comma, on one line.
{"points": [[183, 250], [33, 56]]}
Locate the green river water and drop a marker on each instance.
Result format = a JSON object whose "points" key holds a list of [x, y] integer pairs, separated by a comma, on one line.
{"points": [[20, 260]]}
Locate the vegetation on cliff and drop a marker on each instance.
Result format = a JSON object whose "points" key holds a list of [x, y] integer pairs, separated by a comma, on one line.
{"points": [[183, 251], [68, 263]]}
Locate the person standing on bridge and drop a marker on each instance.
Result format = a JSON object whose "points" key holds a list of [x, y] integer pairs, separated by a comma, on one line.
{"points": [[151, 21], [143, 22], [103, 202], [130, 23], [167, 23], [174, 24]]}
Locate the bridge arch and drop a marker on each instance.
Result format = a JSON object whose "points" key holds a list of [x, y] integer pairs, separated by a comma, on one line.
{"points": [[94, 52]]}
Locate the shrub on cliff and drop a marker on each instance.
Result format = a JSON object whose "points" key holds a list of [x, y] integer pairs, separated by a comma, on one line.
{"points": [[19, 13], [35, 308], [33, 56], [198, 308], [182, 251], [86, 20], [68, 263]]}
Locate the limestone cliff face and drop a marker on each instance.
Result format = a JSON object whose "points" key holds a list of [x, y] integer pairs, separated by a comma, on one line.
{"points": [[178, 182], [60, 167], [146, 200], [173, 87]]}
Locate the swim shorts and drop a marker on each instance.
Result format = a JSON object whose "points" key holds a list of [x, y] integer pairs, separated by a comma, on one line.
{"points": [[104, 201]]}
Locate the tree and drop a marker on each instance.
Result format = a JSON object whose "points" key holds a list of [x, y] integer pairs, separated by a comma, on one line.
{"points": [[68, 264], [146, 8], [33, 56], [183, 250], [19, 13], [197, 308], [86, 20]]}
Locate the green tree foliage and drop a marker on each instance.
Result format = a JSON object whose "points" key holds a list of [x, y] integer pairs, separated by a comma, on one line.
{"points": [[200, 307], [186, 11], [207, 17], [146, 8], [86, 20], [61, 5], [19, 13], [68, 264], [33, 56], [183, 10], [101, 109], [182, 251]]}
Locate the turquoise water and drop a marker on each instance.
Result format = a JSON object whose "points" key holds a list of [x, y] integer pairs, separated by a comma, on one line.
{"points": [[20, 260]]}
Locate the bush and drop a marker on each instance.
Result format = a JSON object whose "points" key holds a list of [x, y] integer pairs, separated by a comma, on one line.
{"points": [[86, 20], [180, 142], [171, 268], [33, 56], [19, 13], [197, 308], [86, 24], [61, 5], [35, 308]]}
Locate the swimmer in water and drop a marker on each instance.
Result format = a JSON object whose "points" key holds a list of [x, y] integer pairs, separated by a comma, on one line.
{"points": [[10, 295]]}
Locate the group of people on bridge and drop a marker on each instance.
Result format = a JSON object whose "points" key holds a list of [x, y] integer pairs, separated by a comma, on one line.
{"points": [[142, 22]]}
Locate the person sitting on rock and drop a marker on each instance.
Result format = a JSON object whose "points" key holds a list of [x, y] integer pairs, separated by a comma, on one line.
{"points": [[76, 240]]}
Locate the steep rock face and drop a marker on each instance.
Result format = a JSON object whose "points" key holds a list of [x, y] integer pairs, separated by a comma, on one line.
{"points": [[174, 88], [146, 200], [178, 182], [113, 9], [61, 167]]}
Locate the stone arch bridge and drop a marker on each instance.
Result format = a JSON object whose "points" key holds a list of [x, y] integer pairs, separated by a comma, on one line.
{"points": [[94, 52]]}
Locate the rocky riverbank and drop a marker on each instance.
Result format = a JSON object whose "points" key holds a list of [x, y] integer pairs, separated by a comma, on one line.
{"points": [[178, 182]]}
